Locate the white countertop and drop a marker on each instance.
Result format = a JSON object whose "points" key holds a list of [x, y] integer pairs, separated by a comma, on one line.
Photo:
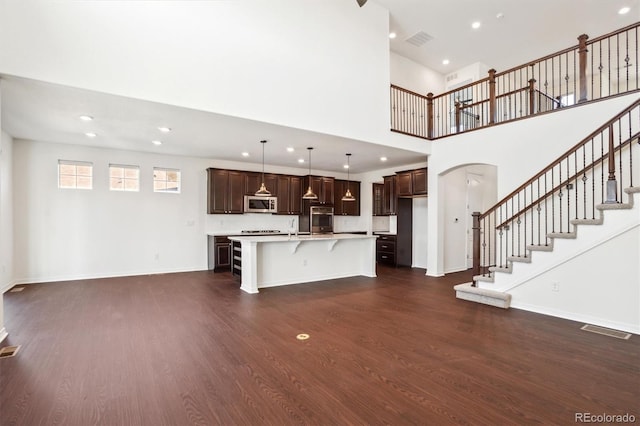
{"points": [[284, 238]]}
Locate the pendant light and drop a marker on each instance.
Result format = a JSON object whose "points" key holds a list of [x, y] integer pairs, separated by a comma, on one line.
{"points": [[263, 192], [347, 195], [309, 195]]}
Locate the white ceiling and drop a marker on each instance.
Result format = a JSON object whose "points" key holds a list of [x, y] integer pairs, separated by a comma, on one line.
{"points": [[34, 110], [527, 30], [47, 112]]}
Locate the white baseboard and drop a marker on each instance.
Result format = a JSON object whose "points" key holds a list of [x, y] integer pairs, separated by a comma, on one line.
{"points": [[8, 286], [3, 334], [574, 316], [34, 280]]}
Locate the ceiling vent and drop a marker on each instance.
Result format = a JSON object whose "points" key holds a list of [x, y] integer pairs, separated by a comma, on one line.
{"points": [[419, 38]]}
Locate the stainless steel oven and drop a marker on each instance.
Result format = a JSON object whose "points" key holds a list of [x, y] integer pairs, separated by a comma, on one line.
{"points": [[321, 219]]}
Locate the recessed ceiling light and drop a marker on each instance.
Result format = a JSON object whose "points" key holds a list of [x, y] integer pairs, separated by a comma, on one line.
{"points": [[624, 10], [475, 25], [290, 149], [86, 118], [500, 15], [346, 166], [445, 62], [383, 158], [91, 134], [300, 160], [156, 143], [392, 35], [245, 154], [164, 129]]}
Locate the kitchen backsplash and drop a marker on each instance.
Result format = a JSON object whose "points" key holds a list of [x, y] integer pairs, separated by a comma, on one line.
{"points": [[250, 221], [225, 223], [385, 224]]}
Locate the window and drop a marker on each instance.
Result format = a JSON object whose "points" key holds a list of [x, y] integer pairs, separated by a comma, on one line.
{"points": [[166, 180], [124, 178], [75, 174]]}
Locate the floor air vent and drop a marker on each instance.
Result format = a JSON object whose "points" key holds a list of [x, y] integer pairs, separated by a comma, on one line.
{"points": [[9, 351], [606, 331], [16, 289]]}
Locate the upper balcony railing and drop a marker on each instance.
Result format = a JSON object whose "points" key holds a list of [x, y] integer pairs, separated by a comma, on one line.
{"points": [[606, 66]]}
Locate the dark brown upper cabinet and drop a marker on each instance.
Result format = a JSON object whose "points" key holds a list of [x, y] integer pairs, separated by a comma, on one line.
{"points": [[322, 186], [254, 179], [289, 194], [378, 199], [412, 183], [389, 196], [346, 208], [225, 191]]}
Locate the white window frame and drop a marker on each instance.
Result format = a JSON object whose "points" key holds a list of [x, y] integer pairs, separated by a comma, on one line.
{"points": [[75, 174], [124, 178], [166, 169]]}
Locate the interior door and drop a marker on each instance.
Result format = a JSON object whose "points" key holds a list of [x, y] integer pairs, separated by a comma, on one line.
{"points": [[474, 204]]}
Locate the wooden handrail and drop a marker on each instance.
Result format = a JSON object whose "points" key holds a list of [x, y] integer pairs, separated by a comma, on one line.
{"points": [[566, 181], [393, 86], [562, 157]]}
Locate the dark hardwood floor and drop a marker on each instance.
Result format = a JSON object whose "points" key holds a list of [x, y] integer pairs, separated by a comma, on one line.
{"points": [[191, 348]]}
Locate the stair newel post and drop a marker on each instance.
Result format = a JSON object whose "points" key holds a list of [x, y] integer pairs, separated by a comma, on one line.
{"points": [[458, 113], [612, 184], [532, 96], [582, 67], [430, 115], [492, 96], [475, 226]]}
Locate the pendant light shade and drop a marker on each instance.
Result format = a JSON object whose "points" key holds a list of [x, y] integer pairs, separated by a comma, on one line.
{"points": [[309, 195], [263, 191], [347, 195], [361, 2]]}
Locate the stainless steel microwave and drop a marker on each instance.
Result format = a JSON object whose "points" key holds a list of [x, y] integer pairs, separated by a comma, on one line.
{"points": [[258, 204]]}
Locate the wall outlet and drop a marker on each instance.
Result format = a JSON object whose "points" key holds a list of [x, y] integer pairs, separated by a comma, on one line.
{"points": [[555, 286], [191, 222], [304, 262], [157, 256]]}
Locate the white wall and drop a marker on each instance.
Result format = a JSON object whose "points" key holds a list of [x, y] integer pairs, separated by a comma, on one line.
{"points": [[415, 77], [518, 150], [6, 217], [610, 297], [262, 60], [420, 206], [63, 234]]}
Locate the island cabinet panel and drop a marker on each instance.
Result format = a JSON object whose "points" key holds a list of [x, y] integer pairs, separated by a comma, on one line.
{"points": [[346, 208], [289, 194], [254, 179], [322, 186], [377, 197], [225, 191], [389, 195]]}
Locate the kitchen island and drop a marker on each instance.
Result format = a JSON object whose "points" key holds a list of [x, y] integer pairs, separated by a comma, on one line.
{"points": [[275, 260]]}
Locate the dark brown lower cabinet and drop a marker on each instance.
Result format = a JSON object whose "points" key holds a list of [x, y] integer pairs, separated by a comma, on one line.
{"points": [[219, 253], [386, 249], [236, 259]]}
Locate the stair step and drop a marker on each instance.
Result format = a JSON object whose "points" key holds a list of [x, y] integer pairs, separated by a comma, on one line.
{"points": [[521, 259], [505, 269], [587, 221], [485, 278], [498, 299], [535, 247], [615, 206], [567, 235], [632, 189]]}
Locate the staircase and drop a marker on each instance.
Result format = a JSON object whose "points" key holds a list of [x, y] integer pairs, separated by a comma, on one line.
{"points": [[580, 201]]}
